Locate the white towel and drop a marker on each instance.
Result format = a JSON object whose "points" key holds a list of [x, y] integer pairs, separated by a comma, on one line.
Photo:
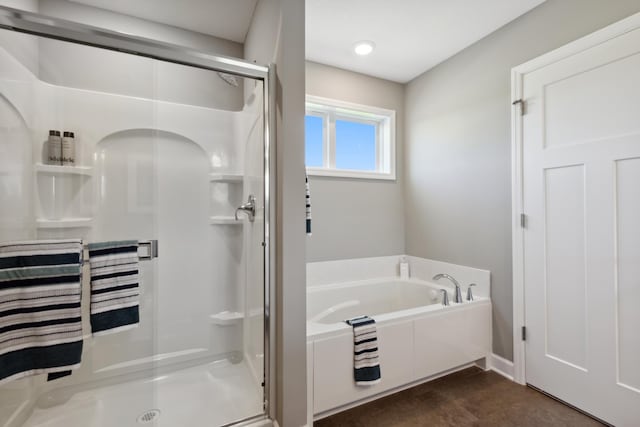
{"points": [[366, 367], [308, 204], [114, 286], [40, 314]]}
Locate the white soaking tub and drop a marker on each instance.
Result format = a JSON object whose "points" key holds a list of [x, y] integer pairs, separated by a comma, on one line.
{"points": [[418, 337]]}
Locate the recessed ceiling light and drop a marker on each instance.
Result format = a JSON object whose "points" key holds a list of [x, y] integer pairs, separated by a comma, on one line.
{"points": [[364, 47]]}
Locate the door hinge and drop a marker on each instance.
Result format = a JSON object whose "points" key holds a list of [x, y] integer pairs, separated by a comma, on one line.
{"points": [[523, 220], [522, 105], [524, 333]]}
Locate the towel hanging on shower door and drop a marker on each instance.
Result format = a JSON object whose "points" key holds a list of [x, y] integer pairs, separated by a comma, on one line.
{"points": [[114, 286], [307, 204], [40, 313]]}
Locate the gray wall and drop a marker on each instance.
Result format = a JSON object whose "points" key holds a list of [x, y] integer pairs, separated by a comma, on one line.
{"points": [[356, 218], [457, 162], [277, 35]]}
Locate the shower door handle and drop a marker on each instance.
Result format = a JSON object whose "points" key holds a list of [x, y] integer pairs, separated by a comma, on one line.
{"points": [[249, 208]]}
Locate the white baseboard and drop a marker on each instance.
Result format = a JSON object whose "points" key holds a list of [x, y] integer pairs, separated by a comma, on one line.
{"points": [[501, 366]]}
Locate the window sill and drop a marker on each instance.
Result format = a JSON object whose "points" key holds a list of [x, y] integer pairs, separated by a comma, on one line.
{"points": [[351, 174]]}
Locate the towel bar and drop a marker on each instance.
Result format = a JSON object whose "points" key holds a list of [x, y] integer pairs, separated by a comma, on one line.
{"points": [[150, 245], [152, 250]]}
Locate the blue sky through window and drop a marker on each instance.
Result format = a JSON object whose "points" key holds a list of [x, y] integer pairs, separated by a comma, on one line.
{"points": [[313, 141], [355, 145]]}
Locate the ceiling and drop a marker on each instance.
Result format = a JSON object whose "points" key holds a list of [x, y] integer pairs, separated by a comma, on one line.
{"points": [[227, 19], [411, 36]]}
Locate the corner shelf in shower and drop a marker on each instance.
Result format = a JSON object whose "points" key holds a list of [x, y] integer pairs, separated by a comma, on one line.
{"points": [[63, 170], [226, 318], [64, 223], [224, 220], [225, 177]]}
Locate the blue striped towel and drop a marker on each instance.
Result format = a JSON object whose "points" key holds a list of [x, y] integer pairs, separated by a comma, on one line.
{"points": [[366, 367], [40, 313], [114, 286], [307, 204]]}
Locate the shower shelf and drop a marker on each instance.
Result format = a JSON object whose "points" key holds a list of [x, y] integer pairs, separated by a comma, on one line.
{"points": [[226, 318], [224, 220], [64, 223], [63, 170], [225, 177]]}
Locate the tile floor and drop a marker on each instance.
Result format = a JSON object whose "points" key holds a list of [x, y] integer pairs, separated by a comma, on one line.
{"points": [[470, 397]]}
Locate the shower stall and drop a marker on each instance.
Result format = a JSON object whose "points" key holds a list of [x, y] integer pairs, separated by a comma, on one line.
{"points": [[159, 158]]}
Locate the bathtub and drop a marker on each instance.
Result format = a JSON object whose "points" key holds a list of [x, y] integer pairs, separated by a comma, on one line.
{"points": [[418, 337]]}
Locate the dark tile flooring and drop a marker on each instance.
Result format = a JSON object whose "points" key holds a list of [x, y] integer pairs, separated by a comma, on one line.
{"points": [[471, 397]]}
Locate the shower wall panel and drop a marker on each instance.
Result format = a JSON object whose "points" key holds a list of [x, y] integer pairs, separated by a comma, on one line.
{"points": [[146, 169]]}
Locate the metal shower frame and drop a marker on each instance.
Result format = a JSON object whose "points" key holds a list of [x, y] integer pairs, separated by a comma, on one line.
{"points": [[59, 29]]}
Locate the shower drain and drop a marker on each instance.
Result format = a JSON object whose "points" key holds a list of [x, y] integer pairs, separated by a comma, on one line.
{"points": [[149, 416]]}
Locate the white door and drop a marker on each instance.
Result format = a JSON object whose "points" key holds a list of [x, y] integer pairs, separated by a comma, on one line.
{"points": [[581, 183]]}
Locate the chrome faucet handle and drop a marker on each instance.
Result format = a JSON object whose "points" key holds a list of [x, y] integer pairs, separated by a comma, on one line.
{"points": [[445, 297], [249, 208], [469, 292]]}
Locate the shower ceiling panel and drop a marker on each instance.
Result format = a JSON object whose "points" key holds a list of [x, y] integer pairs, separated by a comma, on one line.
{"points": [[226, 19]]}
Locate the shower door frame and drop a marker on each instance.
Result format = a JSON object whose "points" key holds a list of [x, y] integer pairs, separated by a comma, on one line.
{"points": [[53, 28]]}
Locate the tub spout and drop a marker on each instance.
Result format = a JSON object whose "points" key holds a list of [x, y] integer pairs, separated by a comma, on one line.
{"points": [[458, 297]]}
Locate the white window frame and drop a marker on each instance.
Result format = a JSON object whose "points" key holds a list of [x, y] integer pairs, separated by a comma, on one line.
{"points": [[385, 122]]}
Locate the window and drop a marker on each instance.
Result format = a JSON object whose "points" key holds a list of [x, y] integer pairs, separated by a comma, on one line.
{"points": [[349, 140]]}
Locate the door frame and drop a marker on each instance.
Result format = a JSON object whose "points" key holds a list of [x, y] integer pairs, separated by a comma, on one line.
{"points": [[53, 28], [610, 32]]}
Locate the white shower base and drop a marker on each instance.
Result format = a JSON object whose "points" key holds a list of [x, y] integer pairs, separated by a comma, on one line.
{"points": [[209, 395]]}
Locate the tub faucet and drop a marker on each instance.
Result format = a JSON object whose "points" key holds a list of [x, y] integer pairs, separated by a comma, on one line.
{"points": [[445, 297], [470, 292], [458, 297]]}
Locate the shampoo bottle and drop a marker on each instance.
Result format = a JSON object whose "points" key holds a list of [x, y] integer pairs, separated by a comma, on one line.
{"points": [[68, 149], [54, 148]]}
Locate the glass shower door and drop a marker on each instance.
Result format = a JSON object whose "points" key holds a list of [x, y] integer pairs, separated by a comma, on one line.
{"points": [[159, 156]]}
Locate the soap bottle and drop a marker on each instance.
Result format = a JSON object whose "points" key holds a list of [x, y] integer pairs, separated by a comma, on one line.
{"points": [[68, 149], [54, 148], [404, 268]]}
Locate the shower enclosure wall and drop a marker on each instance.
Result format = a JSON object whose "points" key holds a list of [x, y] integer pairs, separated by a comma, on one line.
{"points": [[158, 157]]}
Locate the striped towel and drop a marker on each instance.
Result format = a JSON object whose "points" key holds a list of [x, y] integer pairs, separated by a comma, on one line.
{"points": [[308, 204], [40, 314], [366, 368], [114, 286]]}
